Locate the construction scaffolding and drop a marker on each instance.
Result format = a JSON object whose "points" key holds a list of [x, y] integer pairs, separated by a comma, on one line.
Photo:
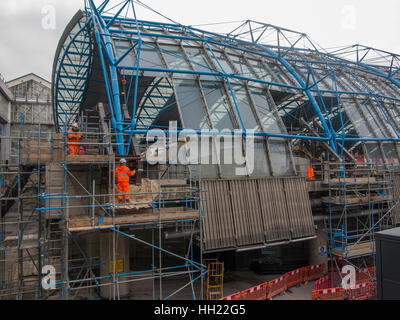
{"points": [[361, 202], [60, 213]]}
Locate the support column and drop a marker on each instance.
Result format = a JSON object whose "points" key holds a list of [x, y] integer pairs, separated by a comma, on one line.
{"points": [[318, 248], [121, 265]]}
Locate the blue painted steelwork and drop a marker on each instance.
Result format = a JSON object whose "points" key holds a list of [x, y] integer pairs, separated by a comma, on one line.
{"points": [[315, 80], [73, 63]]}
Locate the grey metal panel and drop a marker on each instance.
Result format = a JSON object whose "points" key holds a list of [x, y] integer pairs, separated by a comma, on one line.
{"points": [[242, 213], [255, 210], [246, 212], [299, 208], [217, 223], [274, 210], [396, 196]]}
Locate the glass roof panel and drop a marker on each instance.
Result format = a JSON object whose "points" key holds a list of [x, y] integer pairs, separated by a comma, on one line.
{"points": [[176, 61], [267, 117], [190, 102], [219, 110]]}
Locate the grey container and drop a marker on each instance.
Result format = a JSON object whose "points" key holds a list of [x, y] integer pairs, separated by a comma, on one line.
{"points": [[388, 264]]}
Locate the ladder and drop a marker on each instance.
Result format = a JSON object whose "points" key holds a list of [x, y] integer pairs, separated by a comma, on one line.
{"points": [[215, 279]]}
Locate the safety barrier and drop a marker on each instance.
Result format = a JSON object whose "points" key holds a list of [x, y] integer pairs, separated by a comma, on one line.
{"points": [[295, 277], [334, 263], [277, 286], [361, 292], [314, 272], [236, 296], [259, 292], [329, 294], [274, 287]]}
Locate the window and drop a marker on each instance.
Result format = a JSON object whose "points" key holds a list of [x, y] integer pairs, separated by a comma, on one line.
{"points": [[219, 110]]}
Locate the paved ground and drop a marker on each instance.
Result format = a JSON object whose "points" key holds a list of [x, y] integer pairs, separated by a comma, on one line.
{"points": [[302, 292], [239, 281], [234, 281]]}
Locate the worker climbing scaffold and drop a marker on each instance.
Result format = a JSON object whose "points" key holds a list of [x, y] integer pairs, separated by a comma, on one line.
{"points": [[122, 174]]}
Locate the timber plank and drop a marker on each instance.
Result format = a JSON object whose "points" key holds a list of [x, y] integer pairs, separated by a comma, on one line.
{"points": [[84, 222]]}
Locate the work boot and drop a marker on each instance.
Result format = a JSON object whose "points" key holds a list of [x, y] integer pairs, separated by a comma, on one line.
{"points": [[120, 200], [127, 200]]}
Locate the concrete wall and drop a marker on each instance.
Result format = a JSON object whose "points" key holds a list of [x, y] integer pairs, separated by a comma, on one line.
{"points": [[5, 118], [31, 112], [318, 247], [4, 108], [122, 261]]}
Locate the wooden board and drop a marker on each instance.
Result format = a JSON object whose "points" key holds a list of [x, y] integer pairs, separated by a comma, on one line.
{"points": [[361, 249], [88, 158], [299, 208], [396, 196], [355, 199], [355, 181], [83, 223], [142, 198]]}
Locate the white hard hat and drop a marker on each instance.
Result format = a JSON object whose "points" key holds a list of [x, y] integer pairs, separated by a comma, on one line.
{"points": [[122, 161], [75, 125]]}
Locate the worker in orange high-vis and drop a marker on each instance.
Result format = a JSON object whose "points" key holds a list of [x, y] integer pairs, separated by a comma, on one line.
{"points": [[122, 174], [74, 138], [310, 172]]}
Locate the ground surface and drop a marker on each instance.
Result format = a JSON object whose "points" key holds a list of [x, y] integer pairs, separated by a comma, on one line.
{"points": [[234, 281], [243, 280]]}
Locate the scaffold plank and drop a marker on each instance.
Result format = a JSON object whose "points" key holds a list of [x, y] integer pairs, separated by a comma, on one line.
{"points": [[82, 223], [88, 158], [361, 249]]}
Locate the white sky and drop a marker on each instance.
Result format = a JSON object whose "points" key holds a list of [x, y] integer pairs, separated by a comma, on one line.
{"points": [[25, 46]]}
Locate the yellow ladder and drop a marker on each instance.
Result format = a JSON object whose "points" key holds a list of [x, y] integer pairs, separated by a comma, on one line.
{"points": [[215, 279]]}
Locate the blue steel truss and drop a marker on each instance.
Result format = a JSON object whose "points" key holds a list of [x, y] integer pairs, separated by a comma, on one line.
{"points": [[320, 87], [73, 66]]}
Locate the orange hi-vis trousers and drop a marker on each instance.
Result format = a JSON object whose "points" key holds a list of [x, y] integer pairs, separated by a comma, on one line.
{"points": [[73, 150], [122, 173], [123, 190]]}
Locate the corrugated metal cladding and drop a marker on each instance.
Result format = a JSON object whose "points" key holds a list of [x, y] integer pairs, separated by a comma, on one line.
{"points": [[396, 196], [243, 213]]}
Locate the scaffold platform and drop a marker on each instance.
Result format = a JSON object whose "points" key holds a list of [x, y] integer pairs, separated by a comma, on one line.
{"points": [[84, 223]]}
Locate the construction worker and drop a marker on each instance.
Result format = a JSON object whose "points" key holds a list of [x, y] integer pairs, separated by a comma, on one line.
{"points": [[310, 172], [122, 174], [74, 138]]}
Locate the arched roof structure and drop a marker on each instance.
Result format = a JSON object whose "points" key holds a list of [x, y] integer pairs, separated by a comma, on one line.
{"points": [[258, 77]]}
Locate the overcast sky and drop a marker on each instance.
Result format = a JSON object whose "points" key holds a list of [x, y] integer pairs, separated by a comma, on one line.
{"points": [[28, 39]]}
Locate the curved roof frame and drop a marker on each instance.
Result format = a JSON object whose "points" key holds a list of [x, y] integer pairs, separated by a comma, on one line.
{"points": [[72, 63], [282, 51], [106, 49], [379, 59], [206, 41], [363, 56]]}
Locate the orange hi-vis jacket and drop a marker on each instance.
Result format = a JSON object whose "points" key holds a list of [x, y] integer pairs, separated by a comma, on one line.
{"points": [[74, 137], [122, 173]]}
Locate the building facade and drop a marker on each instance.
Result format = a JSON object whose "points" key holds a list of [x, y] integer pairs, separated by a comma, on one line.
{"points": [[5, 118], [31, 110]]}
